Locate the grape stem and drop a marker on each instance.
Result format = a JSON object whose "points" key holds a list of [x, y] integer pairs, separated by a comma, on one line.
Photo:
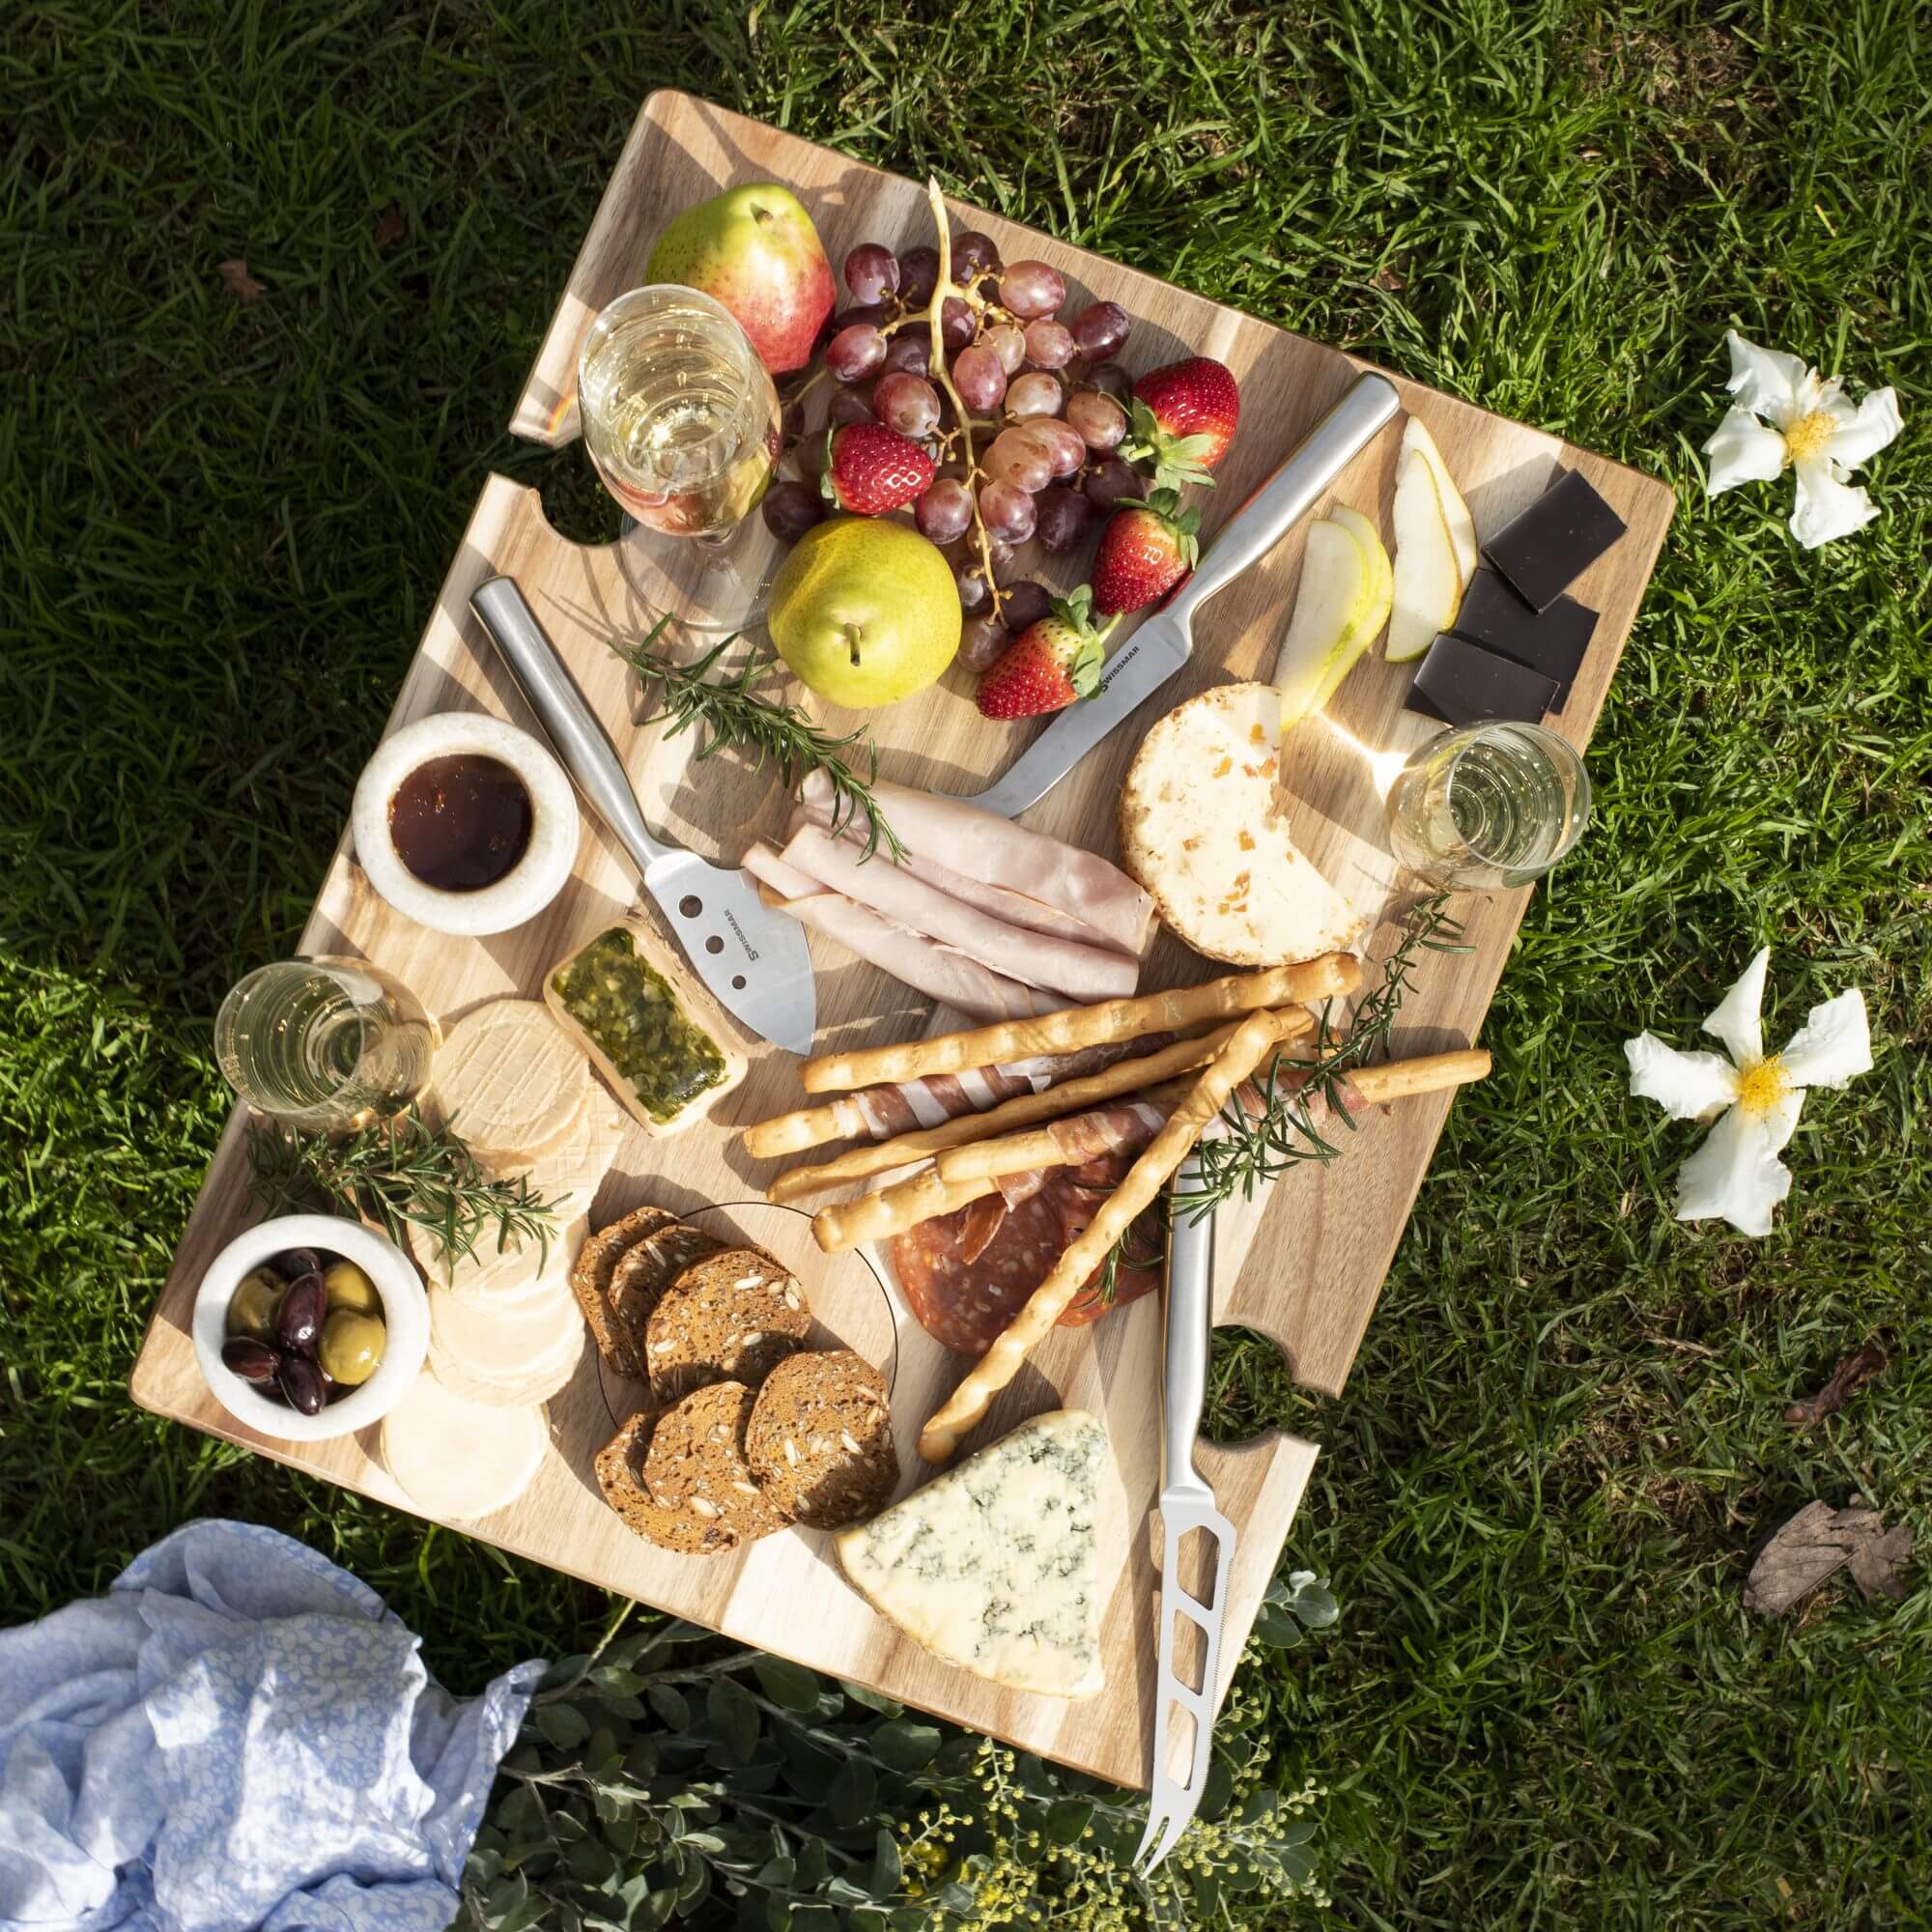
{"points": [[935, 312]]}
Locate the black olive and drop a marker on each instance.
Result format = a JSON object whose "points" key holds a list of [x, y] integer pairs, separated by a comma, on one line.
{"points": [[301, 1383], [299, 1261], [298, 1322], [252, 1360]]}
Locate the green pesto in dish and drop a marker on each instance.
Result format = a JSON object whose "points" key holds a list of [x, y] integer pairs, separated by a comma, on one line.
{"points": [[631, 1012]]}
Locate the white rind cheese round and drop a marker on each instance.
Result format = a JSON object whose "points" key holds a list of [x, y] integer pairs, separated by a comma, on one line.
{"points": [[995, 1565], [458, 1460], [1200, 831], [501, 1277], [508, 1080]]}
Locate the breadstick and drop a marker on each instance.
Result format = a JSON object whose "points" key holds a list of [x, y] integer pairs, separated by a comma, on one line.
{"points": [[874, 1218], [809, 1128], [1024, 1152], [968, 1403], [1125, 1077], [1074, 1027], [1430, 1073]]}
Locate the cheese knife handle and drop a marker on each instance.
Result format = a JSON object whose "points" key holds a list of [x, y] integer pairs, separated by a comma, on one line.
{"points": [[1292, 491], [565, 715], [1190, 1291]]}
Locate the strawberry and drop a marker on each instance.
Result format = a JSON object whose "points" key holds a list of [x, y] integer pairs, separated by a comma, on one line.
{"points": [[1055, 660], [1184, 418], [870, 470], [1145, 551]]}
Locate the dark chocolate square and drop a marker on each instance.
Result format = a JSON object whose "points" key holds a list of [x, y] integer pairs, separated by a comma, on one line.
{"points": [[1547, 549], [1552, 642], [1462, 683]]}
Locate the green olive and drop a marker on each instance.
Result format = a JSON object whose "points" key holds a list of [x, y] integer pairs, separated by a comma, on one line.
{"points": [[350, 1288], [252, 1311], [352, 1346]]}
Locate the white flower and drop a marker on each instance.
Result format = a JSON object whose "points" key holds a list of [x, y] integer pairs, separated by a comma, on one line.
{"points": [[1813, 430], [1737, 1173]]}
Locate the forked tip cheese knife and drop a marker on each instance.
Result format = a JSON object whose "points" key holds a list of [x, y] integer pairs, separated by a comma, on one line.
{"points": [[1186, 1504], [754, 961], [1165, 642]]}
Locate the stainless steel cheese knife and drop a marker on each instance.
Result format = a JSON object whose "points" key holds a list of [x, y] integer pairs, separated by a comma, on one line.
{"points": [[1165, 640], [755, 961], [1186, 1504]]}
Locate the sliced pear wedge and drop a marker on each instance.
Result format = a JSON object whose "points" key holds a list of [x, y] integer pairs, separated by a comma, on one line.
{"points": [[1376, 551], [1454, 512], [1428, 585], [1331, 626]]}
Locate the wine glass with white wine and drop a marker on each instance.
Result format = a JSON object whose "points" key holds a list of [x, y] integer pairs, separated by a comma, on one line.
{"points": [[681, 421]]}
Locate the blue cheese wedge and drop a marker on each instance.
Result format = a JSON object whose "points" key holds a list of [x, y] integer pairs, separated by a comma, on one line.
{"points": [[995, 1565]]}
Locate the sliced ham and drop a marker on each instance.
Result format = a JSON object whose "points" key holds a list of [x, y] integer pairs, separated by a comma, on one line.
{"points": [[1083, 974], [1022, 878], [897, 1109], [938, 971]]}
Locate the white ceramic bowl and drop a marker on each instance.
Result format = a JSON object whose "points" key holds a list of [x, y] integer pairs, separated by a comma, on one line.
{"points": [[405, 1313], [529, 885]]}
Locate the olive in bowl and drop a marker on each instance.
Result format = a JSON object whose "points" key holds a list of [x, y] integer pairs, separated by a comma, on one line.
{"points": [[308, 1327]]}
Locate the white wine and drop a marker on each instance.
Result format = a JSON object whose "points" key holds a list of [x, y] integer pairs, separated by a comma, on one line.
{"points": [[1491, 805], [679, 416], [324, 1044]]}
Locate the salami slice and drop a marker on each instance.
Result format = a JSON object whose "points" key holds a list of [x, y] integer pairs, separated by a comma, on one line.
{"points": [[964, 1304]]}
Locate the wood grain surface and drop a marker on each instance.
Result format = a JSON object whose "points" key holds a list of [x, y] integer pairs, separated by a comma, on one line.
{"points": [[1303, 1266]]}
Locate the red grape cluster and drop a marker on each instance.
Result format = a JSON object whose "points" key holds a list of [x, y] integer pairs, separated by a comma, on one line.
{"points": [[1046, 410]]}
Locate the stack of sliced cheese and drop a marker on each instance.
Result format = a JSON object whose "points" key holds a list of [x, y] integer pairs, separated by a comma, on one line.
{"points": [[505, 1330]]}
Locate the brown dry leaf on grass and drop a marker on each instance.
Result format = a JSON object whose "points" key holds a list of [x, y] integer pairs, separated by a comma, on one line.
{"points": [[237, 281], [1853, 1373], [1819, 1542], [391, 227]]}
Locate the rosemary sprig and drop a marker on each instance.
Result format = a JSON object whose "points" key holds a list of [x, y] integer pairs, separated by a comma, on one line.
{"points": [[732, 713], [399, 1174], [1257, 1142]]}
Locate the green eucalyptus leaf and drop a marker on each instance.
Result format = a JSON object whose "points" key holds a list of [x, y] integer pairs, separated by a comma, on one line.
{"points": [[854, 1794], [564, 1724], [1217, 1788], [957, 1897], [1066, 1819], [813, 1863], [694, 1887], [735, 1718], [872, 1700], [1277, 1628], [671, 1706], [789, 1686], [887, 1868], [842, 1892], [1315, 1605], [905, 1745], [777, 1913]]}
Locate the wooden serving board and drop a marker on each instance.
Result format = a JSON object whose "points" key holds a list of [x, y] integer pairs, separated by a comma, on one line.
{"points": [[1304, 1267]]}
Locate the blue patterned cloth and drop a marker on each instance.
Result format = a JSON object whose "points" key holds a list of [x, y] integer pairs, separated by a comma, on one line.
{"points": [[238, 1734]]}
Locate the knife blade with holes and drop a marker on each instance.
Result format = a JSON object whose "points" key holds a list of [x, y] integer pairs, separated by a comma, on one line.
{"points": [[1186, 1505], [754, 960]]}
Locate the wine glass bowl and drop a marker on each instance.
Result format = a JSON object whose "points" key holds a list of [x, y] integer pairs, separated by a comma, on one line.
{"points": [[679, 416]]}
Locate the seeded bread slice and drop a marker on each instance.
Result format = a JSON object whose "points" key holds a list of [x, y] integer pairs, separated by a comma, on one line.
{"points": [[621, 1475], [645, 1271], [695, 1462], [819, 1442], [732, 1316], [590, 1282]]}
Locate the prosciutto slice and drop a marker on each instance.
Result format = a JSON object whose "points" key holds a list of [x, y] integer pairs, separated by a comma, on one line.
{"points": [[911, 957], [1022, 878], [1082, 973], [899, 1108]]}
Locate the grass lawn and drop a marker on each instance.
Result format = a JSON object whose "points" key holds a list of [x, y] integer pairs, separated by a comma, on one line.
{"points": [[225, 520]]}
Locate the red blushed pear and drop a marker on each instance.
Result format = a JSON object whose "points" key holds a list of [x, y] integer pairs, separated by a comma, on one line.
{"points": [[755, 251]]}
